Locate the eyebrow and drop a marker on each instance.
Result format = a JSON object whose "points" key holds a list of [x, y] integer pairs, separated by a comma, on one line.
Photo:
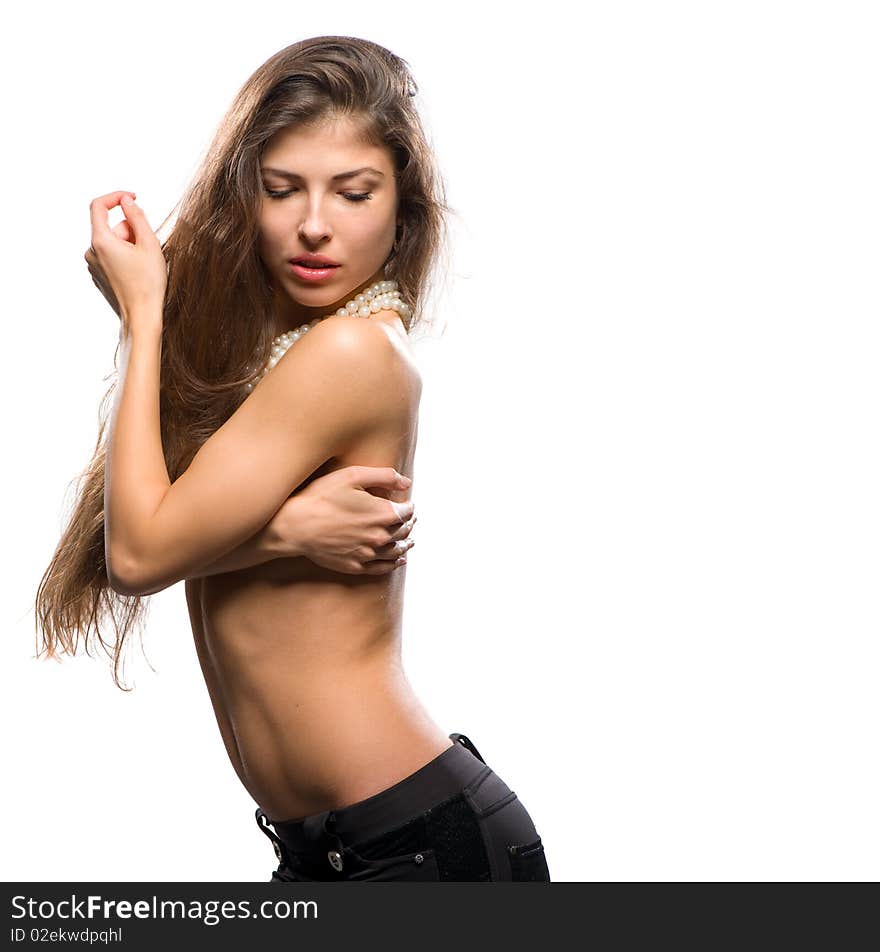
{"points": [[335, 178]]}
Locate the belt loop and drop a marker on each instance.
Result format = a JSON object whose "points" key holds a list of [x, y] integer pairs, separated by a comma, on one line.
{"points": [[467, 743], [277, 843]]}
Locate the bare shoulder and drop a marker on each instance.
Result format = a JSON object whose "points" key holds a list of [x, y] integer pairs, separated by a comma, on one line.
{"points": [[374, 348], [354, 363], [340, 337]]}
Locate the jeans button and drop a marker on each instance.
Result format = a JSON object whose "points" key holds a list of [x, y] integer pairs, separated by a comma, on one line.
{"points": [[335, 860]]}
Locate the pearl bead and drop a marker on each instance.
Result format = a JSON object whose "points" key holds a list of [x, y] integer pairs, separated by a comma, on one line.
{"points": [[382, 294]]}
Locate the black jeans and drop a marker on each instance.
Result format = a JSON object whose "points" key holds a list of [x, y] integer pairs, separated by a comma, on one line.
{"points": [[453, 820]]}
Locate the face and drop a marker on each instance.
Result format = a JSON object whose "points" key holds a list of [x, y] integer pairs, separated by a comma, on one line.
{"points": [[312, 205]]}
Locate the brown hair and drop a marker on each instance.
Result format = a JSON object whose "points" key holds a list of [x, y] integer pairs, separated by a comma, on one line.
{"points": [[218, 303]]}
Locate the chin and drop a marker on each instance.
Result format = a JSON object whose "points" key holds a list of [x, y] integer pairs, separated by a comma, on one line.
{"points": [[311, 296]]}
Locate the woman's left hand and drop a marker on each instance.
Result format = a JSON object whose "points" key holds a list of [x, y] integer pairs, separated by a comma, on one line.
{"points": [[129, 258]]}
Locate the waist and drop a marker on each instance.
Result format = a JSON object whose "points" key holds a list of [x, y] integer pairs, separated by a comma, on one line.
{"points": [[304, 747], [443, 777]]}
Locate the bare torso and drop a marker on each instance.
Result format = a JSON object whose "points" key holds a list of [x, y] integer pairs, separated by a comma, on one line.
{"points": [[303, 664]]}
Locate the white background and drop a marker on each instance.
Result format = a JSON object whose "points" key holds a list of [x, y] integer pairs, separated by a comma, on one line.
{"points": [[645, 578]]}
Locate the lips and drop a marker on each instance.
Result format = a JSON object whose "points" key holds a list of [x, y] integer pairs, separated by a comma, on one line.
{"points": [[312, 271], [314, 261]]}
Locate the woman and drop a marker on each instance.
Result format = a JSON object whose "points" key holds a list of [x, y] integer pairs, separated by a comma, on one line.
{"points": [[315, 221]]}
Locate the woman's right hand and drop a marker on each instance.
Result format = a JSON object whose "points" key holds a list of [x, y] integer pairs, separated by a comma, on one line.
{"points": [[338, 525]]}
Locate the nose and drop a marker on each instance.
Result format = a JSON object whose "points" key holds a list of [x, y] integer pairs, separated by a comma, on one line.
{"points": [[314, 228]]}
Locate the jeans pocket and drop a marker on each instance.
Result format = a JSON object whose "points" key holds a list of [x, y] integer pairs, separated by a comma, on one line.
{"points": [[528, 864]]}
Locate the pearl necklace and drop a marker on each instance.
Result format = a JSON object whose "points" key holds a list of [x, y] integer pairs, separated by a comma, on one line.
{"points": [[381, 295]]}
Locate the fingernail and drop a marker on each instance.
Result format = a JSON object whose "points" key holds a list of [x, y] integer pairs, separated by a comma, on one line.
{"points": [[401, 560], [127, 200]]}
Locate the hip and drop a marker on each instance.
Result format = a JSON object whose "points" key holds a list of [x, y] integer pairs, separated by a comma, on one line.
{"points": [[453, 820]]}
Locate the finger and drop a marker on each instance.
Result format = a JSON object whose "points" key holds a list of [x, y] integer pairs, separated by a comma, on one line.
{"points": [[136, 218], [394, 550], [382, 567], [99, 209], [386, 477], [403, 531], [401, 511], [123, 230]]}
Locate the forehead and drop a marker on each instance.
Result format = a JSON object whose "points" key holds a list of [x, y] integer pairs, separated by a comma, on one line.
{"points": [[320, 145]]}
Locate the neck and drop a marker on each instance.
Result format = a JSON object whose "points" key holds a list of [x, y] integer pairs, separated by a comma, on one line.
{"points": [[290, 314]]}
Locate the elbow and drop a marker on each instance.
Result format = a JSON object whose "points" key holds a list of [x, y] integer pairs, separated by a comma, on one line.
{"points": [[122, 574]]}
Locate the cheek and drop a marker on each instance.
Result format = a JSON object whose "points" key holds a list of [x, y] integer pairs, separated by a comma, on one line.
{"points": [[373, 231], [271, 234]]}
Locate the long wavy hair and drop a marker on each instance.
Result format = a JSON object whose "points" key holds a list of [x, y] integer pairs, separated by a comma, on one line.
{"points": [[218, 304]]}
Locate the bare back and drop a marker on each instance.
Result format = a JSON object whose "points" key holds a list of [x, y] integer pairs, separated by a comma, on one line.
{"points": [[303, 664]]}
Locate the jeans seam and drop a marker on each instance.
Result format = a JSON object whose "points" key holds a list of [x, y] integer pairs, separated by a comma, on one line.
{"points": [[493, 808], [475, 784]]}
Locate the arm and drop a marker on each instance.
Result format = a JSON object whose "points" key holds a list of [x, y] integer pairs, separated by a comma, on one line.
{"points": [[256, 550], [334, 522], [253, 551], [337, 383]]}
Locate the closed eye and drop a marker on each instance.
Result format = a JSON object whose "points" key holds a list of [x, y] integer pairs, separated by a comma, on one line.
{"points": [[351, 196]]}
